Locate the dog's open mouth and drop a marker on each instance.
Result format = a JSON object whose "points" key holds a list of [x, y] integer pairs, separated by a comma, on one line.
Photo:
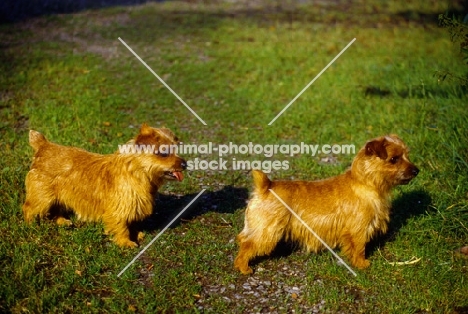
{"points": [[174, 175]]}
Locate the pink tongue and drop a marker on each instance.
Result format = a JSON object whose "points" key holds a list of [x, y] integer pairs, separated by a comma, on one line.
{"points": [[179, 175]]}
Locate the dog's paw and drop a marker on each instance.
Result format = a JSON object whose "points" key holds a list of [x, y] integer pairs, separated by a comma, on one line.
{"points": [[362, 263], [61, 221], [126, 243], [244, 269]]}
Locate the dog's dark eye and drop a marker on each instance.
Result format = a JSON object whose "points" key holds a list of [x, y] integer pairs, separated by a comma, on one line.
{"points": [[394, 159]]}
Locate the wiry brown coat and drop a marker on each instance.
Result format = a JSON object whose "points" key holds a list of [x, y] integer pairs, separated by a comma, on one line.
{"points": [[117, 189], [345, 211]]}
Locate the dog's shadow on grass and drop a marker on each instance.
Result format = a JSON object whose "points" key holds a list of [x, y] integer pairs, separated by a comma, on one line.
{"points": [[167, 207], [405, 207]]}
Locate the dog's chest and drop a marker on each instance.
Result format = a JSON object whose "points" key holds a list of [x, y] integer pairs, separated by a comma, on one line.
{"points": [[379, 216]]}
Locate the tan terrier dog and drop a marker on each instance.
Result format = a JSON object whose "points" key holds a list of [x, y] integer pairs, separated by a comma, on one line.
{"points": [[344, 211], [117, 189]]}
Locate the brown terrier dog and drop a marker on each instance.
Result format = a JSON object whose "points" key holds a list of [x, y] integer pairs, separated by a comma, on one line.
{"points": [[118, 188], [345, 211]]}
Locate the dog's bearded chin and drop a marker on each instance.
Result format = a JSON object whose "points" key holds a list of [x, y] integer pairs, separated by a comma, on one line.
{"points": [[405, 181]]}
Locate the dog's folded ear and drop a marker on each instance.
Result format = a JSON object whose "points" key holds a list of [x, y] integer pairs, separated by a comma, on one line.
{"points": [[377, 148], [169, 134], [146, 129], [147, 133]]}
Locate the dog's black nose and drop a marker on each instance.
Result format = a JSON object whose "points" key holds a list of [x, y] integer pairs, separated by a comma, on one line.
{"points": [[415, 171], [183, 164]]}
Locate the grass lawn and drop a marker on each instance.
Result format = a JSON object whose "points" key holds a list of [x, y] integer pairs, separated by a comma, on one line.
{"points": [[237, 66]]}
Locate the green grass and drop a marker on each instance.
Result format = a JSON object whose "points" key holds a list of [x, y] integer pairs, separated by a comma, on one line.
{"points": [[69, 77]]}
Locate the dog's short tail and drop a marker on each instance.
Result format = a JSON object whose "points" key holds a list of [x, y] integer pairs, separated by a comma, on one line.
{"points": [[261, 181], [36, 140]]}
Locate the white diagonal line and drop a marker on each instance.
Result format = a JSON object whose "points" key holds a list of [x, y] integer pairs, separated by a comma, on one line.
{"points": [[162, 81], [311, 82], [312, 231], [160, 233]]}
